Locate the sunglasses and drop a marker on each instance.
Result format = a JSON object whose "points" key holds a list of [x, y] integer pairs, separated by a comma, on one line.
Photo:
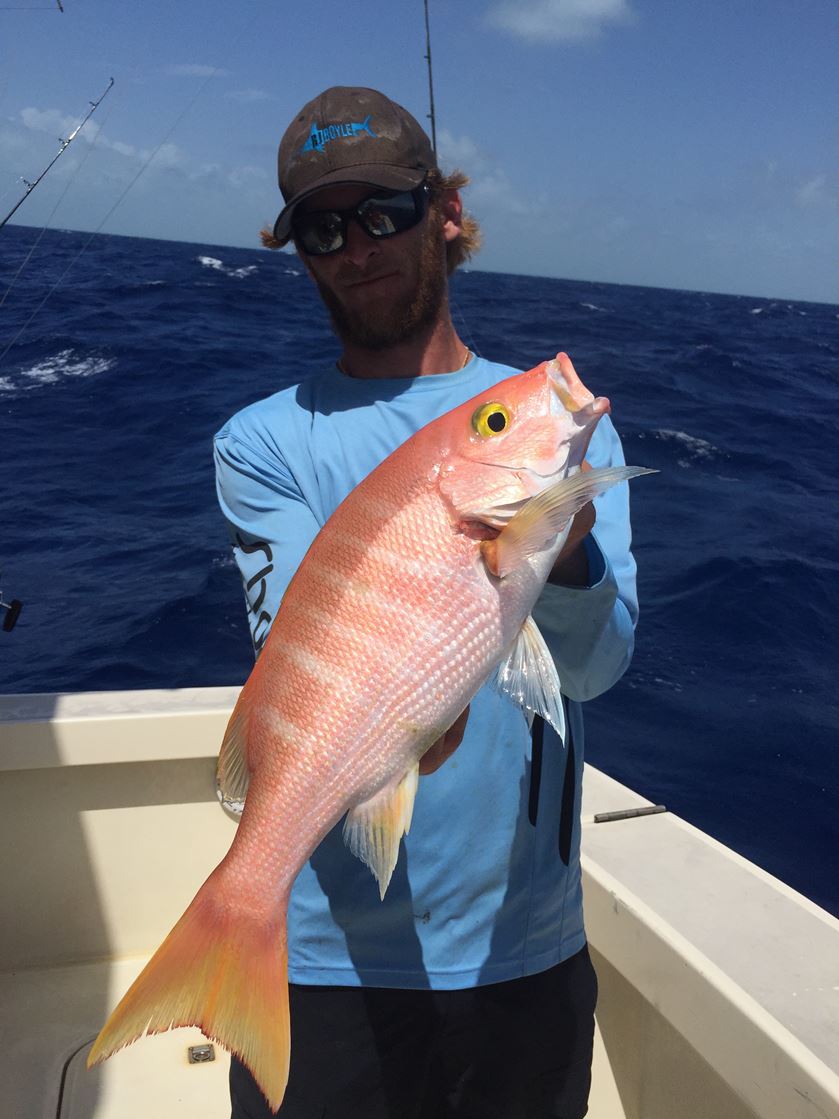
{"points": [[319, 232]]}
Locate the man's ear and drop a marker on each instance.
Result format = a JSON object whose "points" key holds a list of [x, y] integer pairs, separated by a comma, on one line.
{"points": [[451, 208]]}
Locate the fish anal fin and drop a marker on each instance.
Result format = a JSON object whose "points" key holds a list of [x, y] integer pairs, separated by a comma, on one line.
{"points": [[374, 828], [528, 676]]}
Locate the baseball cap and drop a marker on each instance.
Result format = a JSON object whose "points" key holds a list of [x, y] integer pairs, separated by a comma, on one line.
{"points": [[349, 134]]}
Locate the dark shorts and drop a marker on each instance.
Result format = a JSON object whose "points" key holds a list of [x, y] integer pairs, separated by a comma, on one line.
{"points": [[515, 1050]]}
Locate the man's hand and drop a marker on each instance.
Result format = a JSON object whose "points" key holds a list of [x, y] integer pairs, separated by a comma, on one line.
{"points": [[445, 745], [571, 566]]}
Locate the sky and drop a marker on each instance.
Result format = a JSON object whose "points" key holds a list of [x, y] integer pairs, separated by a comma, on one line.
{"points": [[656, 142]]}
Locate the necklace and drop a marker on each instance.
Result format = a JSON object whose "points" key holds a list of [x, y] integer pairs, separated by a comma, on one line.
{"points": [[343, 369]]}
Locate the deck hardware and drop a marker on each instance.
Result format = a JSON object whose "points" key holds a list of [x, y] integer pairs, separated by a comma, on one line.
{"points": [[628, 813], [200, 1054], [14, 608]]}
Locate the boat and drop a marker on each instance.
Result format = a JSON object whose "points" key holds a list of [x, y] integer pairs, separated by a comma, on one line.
{"points": [[719, 984]]}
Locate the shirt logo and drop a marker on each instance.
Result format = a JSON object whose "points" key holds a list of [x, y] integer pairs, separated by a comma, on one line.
{"points": [[320, 137]]}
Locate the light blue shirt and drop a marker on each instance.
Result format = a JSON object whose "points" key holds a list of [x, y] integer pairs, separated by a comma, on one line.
{"points": [[487, 886]]}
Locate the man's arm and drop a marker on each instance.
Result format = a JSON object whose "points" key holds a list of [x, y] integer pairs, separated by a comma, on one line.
{"points": [[589, 628], [270, 525], [571, 567]]}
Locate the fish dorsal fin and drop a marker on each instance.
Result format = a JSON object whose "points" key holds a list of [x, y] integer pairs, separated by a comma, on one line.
{"points": [[543, 517], [233, 772], [528, 676], [373, 829]]}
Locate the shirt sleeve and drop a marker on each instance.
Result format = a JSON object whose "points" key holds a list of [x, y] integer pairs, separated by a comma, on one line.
{"points": [[591, 630], [270, 524]]}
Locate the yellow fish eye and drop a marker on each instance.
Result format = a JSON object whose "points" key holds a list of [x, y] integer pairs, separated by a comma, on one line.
{"points": [[491, 419]]}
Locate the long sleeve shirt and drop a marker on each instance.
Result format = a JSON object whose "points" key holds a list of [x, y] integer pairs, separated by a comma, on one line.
{"points": [[487, 886]]}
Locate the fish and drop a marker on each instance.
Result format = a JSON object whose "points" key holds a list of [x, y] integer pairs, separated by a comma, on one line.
{"points": [[415, 593]]}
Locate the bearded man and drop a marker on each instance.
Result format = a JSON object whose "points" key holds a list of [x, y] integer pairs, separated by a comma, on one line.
{"points": [[468, 991]]}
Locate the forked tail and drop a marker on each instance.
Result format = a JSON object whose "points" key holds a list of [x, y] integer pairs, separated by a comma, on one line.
{"points": [[224, 970]]}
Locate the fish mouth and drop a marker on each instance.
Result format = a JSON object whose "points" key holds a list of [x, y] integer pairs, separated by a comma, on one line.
{"points": [[570, 394]]}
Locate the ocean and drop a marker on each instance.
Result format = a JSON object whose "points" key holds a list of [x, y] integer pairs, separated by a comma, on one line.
{"points": [[112, 388]]}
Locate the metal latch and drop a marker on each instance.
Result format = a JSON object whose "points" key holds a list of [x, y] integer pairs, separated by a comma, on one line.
{"points": [[199, 1054]]}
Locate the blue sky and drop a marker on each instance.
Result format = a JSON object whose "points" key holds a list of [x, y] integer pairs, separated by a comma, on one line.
{"points": [[661, 142]]}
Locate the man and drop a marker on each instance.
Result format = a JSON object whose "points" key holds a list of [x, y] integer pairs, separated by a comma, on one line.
{"points": [[468, 991]]}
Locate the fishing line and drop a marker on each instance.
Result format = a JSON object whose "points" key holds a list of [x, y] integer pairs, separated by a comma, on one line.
{"points": [[38, 239], [234, 43], [463, 329], [98, 229]]}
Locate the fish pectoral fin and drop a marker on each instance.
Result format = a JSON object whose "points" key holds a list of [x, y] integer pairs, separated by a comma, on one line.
{"points": [[233, 773], [528, 676], [374, 828], [544, 516]]}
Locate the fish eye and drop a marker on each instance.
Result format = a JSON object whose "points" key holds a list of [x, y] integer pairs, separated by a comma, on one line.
{"points": [[491, 419]]}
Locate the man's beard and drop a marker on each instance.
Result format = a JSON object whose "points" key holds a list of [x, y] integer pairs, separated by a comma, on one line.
{"points": [[406, 317]]}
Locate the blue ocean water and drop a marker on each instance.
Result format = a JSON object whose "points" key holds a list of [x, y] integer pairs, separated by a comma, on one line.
{"points": [[110, 534]]}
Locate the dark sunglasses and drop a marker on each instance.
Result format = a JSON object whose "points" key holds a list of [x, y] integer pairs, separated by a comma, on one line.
{"points": [[319, 232]]}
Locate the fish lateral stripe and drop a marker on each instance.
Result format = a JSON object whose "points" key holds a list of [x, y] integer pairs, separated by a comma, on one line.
{"points": [[318, 668], [286, 731], [383, 554]]}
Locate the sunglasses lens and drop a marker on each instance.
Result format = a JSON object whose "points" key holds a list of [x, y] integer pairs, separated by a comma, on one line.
{"points": [[324, 231], [382, 217], [320, 232]]}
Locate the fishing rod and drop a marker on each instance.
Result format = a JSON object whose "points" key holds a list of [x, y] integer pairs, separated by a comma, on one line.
{"points": [[430, 82], [65, 144]]}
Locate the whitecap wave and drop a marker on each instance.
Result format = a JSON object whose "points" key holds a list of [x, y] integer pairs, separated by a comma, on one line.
{"points": [[48, 371], [219, 266], [690, 447], [592, 307]]}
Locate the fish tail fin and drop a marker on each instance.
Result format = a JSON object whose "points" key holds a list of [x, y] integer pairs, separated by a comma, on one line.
{"points": [[225, 970]]}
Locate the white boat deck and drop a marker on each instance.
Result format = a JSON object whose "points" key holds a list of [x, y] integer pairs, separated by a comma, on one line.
{"points": [[719, 984]]}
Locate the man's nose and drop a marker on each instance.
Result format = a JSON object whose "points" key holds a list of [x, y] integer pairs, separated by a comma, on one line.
{"points": [[359, 247]]}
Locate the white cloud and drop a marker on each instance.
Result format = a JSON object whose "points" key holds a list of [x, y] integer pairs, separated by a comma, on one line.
{"points": [[490, 186], [58, 124], [247, 176], [459, 151], [817, 193], [49, 120], [123, 149], [196, 70], [557, 21], [166, 157], [247, 96]]}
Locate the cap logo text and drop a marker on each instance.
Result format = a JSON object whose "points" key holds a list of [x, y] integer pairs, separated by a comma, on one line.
{"points": [[320, 137]]}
